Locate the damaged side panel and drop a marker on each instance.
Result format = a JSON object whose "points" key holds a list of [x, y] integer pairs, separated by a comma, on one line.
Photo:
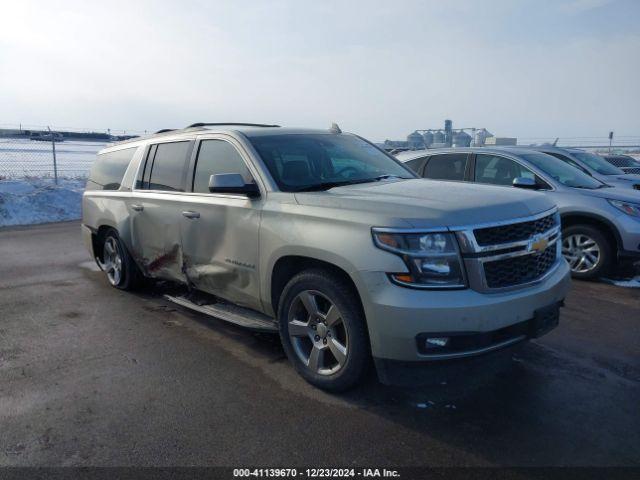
{"points": [[155, 240], [102, 209], [221, 248]]}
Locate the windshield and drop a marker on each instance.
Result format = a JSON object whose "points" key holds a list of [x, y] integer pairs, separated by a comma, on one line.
{"points": [[599, 164], [319, 161], [562, 172]]}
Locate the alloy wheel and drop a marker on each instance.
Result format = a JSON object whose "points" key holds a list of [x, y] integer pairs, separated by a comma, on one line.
{"points": [[112, 261], [318, 332], [581, 251]]}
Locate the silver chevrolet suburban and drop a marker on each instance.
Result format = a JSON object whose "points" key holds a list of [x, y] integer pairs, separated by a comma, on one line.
{"points": [[328, 240]]}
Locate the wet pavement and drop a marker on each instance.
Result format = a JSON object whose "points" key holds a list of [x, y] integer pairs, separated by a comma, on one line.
{"points": [[90, 375]]}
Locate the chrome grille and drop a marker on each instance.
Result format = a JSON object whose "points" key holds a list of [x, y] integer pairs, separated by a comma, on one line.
{"points": [[518, 270], [514, 232], [510, 255]]}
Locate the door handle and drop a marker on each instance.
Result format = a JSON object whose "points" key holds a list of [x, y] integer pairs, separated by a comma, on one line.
{"points": [[136, 207], [191, 214]]}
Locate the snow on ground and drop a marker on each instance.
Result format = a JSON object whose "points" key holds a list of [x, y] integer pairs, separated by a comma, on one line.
{"points": [[39, 200], [630, 283]]}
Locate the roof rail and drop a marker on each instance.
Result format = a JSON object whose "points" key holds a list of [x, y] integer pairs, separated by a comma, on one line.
{"points": [[228, 123], [164, 130]]}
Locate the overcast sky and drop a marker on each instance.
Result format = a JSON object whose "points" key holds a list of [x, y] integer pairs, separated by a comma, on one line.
{"points": [[526, 68]]}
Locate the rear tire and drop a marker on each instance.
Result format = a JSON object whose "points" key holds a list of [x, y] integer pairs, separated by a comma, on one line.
{"points": [[588, 251], [120, 269], [323, 330]]}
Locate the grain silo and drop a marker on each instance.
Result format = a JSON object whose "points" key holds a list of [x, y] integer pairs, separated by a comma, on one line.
{"points": [[415, 141], [461, 139]]}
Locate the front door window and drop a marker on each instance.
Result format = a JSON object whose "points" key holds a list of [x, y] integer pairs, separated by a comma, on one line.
{"points": [[497, 170]]}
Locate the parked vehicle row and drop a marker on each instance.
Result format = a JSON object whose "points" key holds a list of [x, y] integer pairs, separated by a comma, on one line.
{"points": [[625, 163], [336, 245], [593, 165], [600, 223]]}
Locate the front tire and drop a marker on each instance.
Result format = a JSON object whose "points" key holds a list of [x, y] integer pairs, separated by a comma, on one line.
{"points": [[589, 253], [117, 264], [323, 330]]}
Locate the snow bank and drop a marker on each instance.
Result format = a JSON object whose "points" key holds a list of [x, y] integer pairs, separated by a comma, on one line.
{"points": [[28, 201]]}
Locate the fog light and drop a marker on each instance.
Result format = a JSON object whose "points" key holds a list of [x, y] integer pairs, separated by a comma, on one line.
{"points": [[436, 342]]}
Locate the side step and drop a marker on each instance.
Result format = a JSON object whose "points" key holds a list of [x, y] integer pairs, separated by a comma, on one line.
{"points": [[243, 317]]}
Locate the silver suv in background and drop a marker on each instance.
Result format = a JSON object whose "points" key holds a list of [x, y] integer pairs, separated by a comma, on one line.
{"points": [[326, 239], [593, 165], [600, 224]]}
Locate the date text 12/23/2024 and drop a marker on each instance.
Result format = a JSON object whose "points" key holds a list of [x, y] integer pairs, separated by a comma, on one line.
{"points": [[316, 473]]}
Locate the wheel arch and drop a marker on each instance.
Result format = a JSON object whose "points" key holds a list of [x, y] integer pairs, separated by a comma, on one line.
{"points": [[605, 226], [123, 232], [97, 236], [287, 266]]}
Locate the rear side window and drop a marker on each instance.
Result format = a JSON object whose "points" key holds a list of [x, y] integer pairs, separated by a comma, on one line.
{"points": [[415, 164], [215, 157], [446, 167], [166, 169], [109, 168], [562, 157]]}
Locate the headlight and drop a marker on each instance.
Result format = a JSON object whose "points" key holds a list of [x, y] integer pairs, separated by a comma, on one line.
{"points": [[433, 259], [632, 209], [558, 220]]}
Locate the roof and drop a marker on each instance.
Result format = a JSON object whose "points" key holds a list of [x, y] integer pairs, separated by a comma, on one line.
{"points": [[551, 148], [262, 132], [248, 129], [410, 155]]}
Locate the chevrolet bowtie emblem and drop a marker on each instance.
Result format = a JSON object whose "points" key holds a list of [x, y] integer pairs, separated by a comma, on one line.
{"points": [[538, 244]]}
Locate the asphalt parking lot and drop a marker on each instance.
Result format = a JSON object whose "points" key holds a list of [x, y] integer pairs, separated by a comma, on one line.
{"points": [[90, 375]]}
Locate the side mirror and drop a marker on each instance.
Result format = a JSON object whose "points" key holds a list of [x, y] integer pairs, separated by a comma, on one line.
{"points": [[524, 182], [232, 183]]}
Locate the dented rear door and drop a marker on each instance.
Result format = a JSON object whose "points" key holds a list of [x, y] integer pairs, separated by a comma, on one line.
{"points": [[156, 210]]}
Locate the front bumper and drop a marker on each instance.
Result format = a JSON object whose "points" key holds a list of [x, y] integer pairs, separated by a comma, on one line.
{"points": [[629, 230], [87, 238], [397, 315]]}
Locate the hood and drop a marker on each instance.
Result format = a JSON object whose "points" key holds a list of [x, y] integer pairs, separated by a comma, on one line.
{"points": [[612, 193], [628, 177], [426, 203], [624, 181]]}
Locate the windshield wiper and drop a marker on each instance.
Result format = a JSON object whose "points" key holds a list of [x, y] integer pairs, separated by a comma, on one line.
{"points": [[584, 187], [329, 185], [384, 177]]}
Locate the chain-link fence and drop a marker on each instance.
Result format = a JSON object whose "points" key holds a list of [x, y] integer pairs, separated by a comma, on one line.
{"points": [[24, 158], [601, 144]]}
